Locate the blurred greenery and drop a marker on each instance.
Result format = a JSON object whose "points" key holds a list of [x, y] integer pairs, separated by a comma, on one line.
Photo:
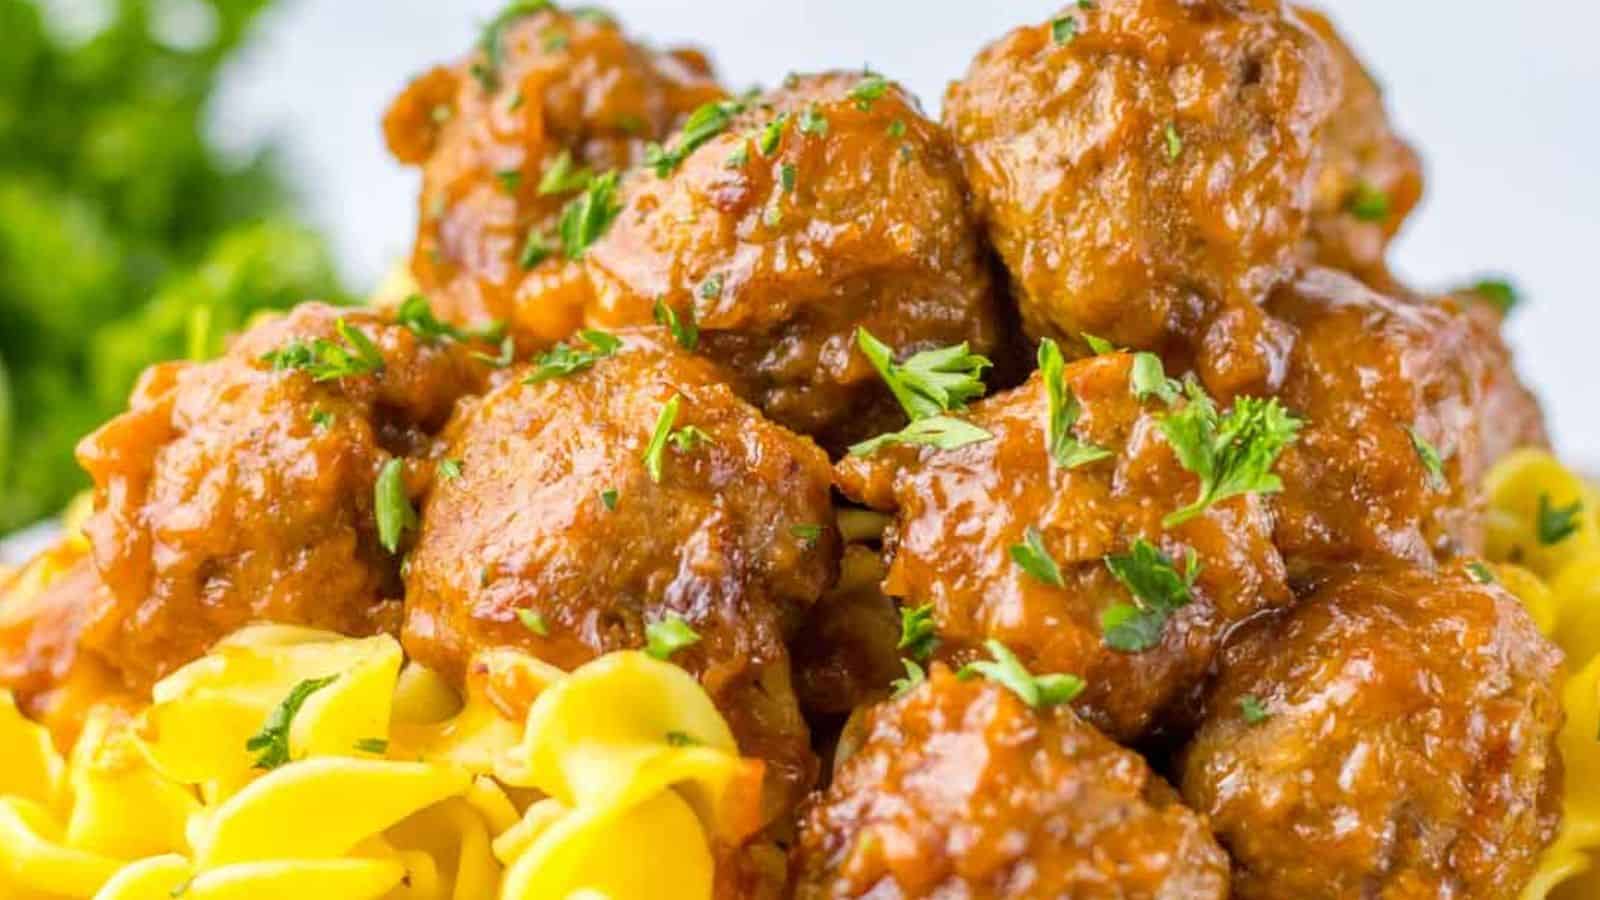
{"points": [[126, 237]]}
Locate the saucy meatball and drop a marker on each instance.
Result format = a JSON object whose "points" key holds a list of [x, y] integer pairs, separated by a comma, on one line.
{"points": [[1407, 403], [828, 205], [506, 139], [562, 528], [1392, 736], [243, 489], [1144, 165], [1005, 542], [958, 789]]}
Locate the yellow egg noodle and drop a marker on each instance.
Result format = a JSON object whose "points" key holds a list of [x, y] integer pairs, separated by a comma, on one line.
{"points": [[296, 763], [1558, 577]]}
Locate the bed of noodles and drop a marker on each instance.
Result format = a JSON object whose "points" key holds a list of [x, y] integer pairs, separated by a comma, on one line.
{"points": [[388, 784]]}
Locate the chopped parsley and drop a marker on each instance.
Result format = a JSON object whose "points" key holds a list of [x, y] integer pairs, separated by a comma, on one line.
{"points": [[680, 739], [563, 176], [492, 41], [897, 128], [711, 288], [1149, 379], [918, 635], [1063, 30], [1556, 523], [555, 41], [1480, 572], [1232, 454], [505, 357], [1174, 142], [417, 317], [1499, 293], [1432, 462], [739, 158], [533, 622], [813, 122], [535, 249], [1038, 691], [930, 382], [1065, 449], [705, 123], [586, 218], [667, 636], [689, 437], [1032, 557], [685, 438], [1099, 346], [510, 179], [788, 176], [915, 675], [869, 90], [569, 359], [1158, 592], [1369, 203], [1252, 710], [326, 360], [449, 469], [683, 328], [939, 432], [810, 533], [608, 498], [322, 419], [271, 743], [771, 134], [375, 746], [392, 507]]}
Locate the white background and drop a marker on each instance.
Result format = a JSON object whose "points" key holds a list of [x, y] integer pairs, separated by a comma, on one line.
{"points": [[1502, 98]]}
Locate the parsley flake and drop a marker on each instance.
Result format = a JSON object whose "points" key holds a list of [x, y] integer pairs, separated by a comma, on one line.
{"points": [[869, 90], [1499, 293], [930, 382], [656, 449], [897, 128], [535, 249], [533, 622], [667, 636], [1099, 346], [449, 469], [1032, 557], [1038, 691], [915, 675], [771, 135], [1174, 142], [1065, 449], [1369, 203], [492, 41], [1149, 379], [1252, 710], [1232, 454], [505, 357], [1557, 523], [271, 743], [392, 507], [586, 218], [788, 176], [705, 123], [813, 122], [1480, 572], [809, 533], [939, 432], [510, 179], [326, 360], [1432, 462], [608, 498], [321, 419], [416, 316], [562, 176], [1157, 589], [683, 328], [568, 359], [919, 636], [680, 739], [711, 288], [1063, 30], [375, 746]]}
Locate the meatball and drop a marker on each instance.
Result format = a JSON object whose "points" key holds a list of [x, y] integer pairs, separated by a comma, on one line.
{"points": [[958, 789], [560, 532], [1392, 736], [1384, 383], [505, 138], [1145, 165], [826, 206], [965, 516], [243, 489]]}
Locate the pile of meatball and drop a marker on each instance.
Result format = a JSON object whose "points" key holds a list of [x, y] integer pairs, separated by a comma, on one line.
{"points": [[639, 390]]}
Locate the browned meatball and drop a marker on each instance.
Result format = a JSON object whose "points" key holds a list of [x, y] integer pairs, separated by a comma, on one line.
{"points": [[242, 489], [960, 790], [960, 515], [1393, 736], [1382, 382], [556, 536], [827, 205], [1144, 165], [490, 133]]}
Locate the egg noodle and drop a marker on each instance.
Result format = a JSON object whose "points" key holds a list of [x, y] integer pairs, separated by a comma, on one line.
{"points": [[297, 763]]}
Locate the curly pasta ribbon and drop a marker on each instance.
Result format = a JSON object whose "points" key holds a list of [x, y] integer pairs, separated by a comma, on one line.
{"points": [[386, 786], [1559, 582]]}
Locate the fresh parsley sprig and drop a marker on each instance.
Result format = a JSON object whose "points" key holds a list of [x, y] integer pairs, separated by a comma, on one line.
{"points": [[919, 636], [1232, 454], [930, 382], [1158, 591], [1065, 448], [326, 360], [1038, 691], [939, 432]]}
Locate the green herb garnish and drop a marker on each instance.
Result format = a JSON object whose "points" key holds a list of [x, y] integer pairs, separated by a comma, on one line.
{"points": [[868, 90], [683, 328], [1032, 557], [1149, 379], [667, 636], [586, 218], [919, 636], [1038, 691], [1369, 203], [705, 123], [914, 676], [563, 176], [1252, 710], [271, 743], [930, 382], [1232, 454], [393, 508], [325, 360], [568, 359], [1557, 523], [1158, 591], [449, 469], [1065, 448], [939, 432], [533, 622], [1432, 462]]}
